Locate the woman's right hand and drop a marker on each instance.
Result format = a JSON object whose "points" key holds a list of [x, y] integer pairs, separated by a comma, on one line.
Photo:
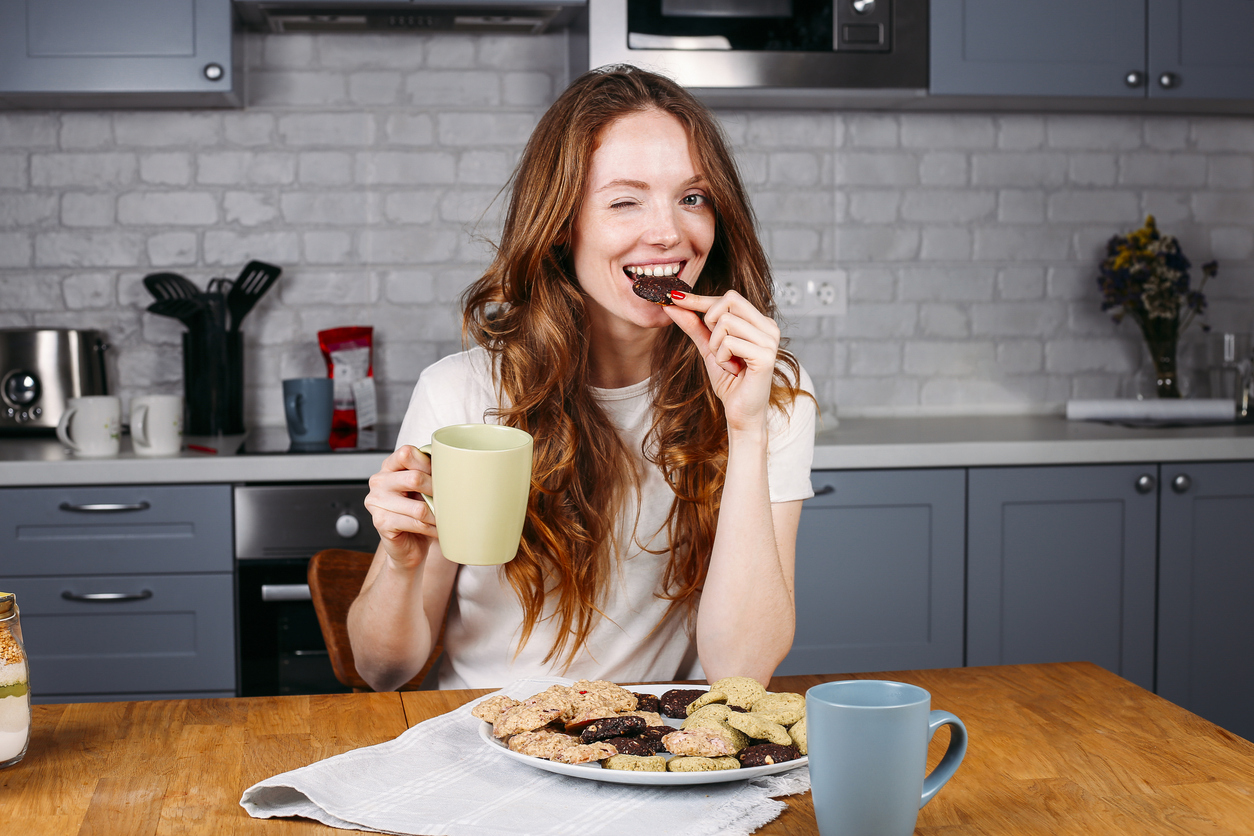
{"points": [[405, 524]]}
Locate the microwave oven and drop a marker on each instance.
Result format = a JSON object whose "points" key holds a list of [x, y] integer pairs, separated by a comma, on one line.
{"points": [[776, 53]]}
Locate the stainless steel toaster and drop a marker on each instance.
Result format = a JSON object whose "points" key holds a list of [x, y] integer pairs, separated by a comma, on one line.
{"points": [[42, 368]]}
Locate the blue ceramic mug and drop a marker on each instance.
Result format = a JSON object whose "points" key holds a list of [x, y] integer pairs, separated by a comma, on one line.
{"points": [[867, 741], [307, 405]]}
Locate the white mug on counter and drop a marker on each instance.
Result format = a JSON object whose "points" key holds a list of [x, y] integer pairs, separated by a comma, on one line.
{"points": [[157, 425], [92, 425]]}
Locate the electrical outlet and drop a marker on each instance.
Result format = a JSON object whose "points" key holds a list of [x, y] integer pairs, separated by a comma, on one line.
{"points": [[801, 293]]}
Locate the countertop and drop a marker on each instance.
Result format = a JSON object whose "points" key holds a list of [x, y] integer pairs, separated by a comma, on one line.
{"points": [[855, 444], [1061, 748]]}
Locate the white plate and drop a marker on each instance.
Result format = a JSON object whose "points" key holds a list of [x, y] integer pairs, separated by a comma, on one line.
{"points": [[594, 772]]}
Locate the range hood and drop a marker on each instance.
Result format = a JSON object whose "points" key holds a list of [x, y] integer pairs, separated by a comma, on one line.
{"points": [[419, 17]]}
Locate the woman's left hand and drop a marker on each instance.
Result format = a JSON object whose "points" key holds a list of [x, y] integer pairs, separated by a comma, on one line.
{"points": [[739, 345]]}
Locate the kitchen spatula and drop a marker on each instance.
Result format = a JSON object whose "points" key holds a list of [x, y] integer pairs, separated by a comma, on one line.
{"points": [[254, 280], [186, 311], [170, 286]]}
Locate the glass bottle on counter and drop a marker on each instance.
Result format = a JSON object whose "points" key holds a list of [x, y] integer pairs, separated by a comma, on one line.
{"points": [[14, 684]]}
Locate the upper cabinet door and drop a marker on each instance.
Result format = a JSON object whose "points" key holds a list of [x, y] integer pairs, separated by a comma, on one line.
{"points": [[118, 53], [1039, 47], [1201, 49]]}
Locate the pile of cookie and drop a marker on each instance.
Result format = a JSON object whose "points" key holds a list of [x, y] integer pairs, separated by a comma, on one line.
{"points": [[735, 723]]}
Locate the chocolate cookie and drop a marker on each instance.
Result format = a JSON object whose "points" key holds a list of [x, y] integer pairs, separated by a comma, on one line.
{"points": [[658, 289], [764, 754], [655, 734], [647, 702], [634, 745], [612, 727], [674, 703]]}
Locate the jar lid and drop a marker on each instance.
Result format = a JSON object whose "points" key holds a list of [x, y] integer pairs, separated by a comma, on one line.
{"points": [[8, 601]]}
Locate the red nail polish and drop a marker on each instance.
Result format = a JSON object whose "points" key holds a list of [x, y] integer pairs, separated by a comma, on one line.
{"points": [[678, 294]]}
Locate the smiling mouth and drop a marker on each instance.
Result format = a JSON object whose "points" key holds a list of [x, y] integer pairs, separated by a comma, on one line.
{"points": [[640, 271]]}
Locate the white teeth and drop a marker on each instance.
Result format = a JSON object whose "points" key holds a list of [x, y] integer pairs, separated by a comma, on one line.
{"points": [[656, 270]]}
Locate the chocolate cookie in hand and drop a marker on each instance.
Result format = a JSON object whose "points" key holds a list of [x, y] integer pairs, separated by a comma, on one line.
{"points": [[658, 289]]}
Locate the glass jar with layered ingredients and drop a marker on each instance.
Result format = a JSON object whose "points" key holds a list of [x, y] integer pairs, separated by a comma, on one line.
{"points": [[14, 685]]}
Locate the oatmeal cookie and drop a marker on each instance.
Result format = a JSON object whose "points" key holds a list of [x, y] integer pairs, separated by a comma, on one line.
{"points": [[738, 690], [532, 713], [759, 729], [699, 764], [635, 763], [542, 743], [783, 708], [715, 717], [491, 708], [705, 742], [585, 753], [797, 731]]}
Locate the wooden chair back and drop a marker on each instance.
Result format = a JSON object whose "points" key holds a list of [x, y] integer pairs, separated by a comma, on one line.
{"points": [[335, 579]]}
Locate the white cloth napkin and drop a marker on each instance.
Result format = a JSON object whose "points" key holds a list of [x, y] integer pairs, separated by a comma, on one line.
{"points": [[440, 778], [1154, 409]]}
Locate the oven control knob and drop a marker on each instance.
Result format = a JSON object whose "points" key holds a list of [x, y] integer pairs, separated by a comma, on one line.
{"points": [[347, 526]]}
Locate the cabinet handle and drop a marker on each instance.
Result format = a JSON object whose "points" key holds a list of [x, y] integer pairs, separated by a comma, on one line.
{"points": [[1145, 483], [1168, 81], [1135, 78], [107, 596], [1181, 483], [105, 507], [285, 592], [825, 490]]}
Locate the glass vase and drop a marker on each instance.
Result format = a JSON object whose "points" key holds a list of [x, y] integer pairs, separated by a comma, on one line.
{"points": [[1162, 340]]}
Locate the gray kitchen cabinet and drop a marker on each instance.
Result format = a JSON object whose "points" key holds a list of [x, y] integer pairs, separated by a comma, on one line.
{"points": [[1061, 566], [119, 53], [1128, 49], [124, 590], [879, 579], [1206, 565]]}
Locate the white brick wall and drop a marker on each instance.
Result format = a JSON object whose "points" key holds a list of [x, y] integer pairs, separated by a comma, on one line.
{"points": [[369, 168]]}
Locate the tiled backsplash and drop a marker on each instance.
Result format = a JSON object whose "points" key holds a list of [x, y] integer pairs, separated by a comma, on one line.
{"points": [[369, 168]]}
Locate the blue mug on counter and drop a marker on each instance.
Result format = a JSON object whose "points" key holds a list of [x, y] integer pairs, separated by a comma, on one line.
{"points": [[308, 403], [867, 742]]}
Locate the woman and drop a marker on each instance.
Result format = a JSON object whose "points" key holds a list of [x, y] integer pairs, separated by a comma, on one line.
{"points": [[660, 535]]}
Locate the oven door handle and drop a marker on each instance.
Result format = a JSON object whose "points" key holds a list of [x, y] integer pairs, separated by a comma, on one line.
{"points": [[105, 507], [285, 592]]}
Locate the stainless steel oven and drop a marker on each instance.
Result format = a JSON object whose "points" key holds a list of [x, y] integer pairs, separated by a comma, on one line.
{"points": [[277, 529], [775, 53]]}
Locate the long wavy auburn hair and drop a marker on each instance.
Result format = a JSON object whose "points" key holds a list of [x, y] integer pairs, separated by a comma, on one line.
{"points": [[529, 312]]}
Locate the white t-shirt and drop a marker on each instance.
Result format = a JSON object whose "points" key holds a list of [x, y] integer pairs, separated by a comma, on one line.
{"points": [[634, 642]]}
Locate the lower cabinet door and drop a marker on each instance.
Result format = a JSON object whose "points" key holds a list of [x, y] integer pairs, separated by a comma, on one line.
{"points": [[1206, 585], [127, 634], [879, 581], [1061, 566]]}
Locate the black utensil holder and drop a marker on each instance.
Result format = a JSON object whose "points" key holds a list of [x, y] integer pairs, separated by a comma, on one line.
{"points": [[213, 381]]}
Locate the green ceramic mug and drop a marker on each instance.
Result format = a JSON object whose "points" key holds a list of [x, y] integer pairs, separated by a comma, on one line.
{"points": [[482, 477]]}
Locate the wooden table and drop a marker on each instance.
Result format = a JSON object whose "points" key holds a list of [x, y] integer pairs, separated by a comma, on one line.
{"points": [[1066, 748]]}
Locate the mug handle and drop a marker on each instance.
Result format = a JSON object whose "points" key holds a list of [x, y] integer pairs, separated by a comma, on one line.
{"points": [[430, 500], [63, 429], [293, 403], [139, 418], [953, 755]]}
